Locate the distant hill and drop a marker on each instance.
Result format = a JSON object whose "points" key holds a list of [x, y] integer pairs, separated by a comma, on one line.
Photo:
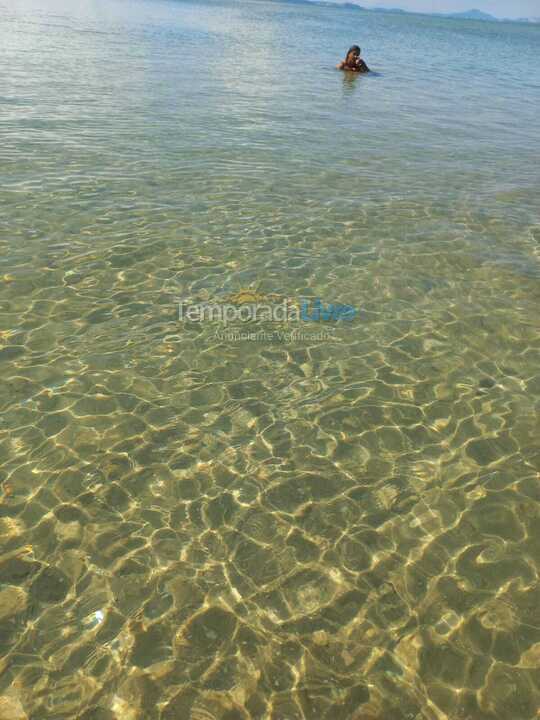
{"points": [[351, 6], [471, 15], [388, 10], [467, 15]]}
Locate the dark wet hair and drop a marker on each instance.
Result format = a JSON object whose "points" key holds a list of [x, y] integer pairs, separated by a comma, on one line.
{"points": [[353, 49]]}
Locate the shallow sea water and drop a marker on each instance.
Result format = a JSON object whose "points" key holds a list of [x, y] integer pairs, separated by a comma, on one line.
{"points": [[330, 520]]}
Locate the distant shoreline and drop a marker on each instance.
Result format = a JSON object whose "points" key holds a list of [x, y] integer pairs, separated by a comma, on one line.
{"points": [[477, 15]]}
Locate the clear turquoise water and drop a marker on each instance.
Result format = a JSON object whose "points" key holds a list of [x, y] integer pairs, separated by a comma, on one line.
{"points": [[341, 524]]}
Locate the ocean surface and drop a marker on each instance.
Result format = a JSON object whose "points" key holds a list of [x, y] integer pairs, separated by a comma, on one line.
{"points": [[306, 518]]}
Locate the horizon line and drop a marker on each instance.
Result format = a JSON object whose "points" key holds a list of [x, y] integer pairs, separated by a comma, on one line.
{"points": [[381, 8]]}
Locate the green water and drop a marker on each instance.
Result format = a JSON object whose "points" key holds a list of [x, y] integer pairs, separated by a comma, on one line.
{"points": [[326, 520]]}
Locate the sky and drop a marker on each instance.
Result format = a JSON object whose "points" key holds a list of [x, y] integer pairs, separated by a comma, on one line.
{"points": [[499, 8]]}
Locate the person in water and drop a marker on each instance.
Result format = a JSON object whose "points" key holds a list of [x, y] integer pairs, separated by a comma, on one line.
{"points": [[353, 61]]}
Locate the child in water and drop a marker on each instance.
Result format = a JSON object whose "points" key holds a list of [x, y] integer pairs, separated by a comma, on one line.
{"points": [[353, 61]]}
